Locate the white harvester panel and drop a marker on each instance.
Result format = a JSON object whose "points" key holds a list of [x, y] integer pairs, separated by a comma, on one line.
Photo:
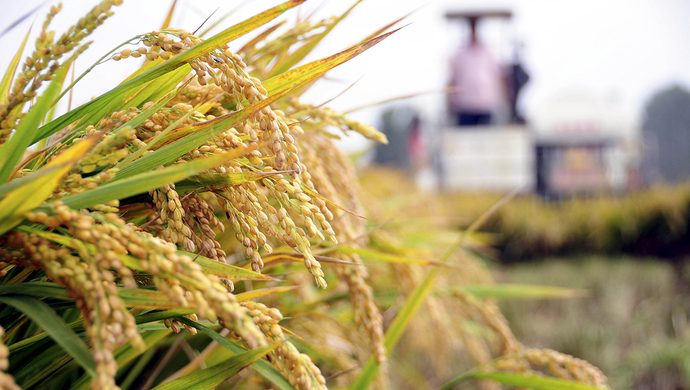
{"points": [[495, 158]]}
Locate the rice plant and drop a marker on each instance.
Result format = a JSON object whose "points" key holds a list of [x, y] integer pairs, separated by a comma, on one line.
{"points": [[196, 227]]}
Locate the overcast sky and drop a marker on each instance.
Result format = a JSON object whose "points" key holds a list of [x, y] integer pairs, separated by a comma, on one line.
{"points": [[619, 51]]}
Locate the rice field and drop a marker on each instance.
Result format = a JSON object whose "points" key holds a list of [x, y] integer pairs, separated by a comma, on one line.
{"points": [[632, 323]]}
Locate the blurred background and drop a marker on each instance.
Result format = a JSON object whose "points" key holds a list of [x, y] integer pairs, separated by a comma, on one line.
{"points": [[584, 105]]}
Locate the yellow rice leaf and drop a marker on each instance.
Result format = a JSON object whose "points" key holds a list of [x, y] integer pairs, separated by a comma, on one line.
{"points": [[388, 26], [220, 20], [227, 271], [294, 257], [261, 37], [168, 18], [314, 69], [243, 28], [33, 193], [204, 107], [245, 296], [390, 258], [298, 55]]}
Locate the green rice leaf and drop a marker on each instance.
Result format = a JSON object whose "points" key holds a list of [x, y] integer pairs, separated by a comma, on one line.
{"points": [[263, 367], [184, 139], [414, 301], [195, 135], [156, 89], [146, 181], [137, 368], [408, 311], [52, 324], [25, 134], [147, 299], [519, 291], [144, 115], [77, 326], [396, 329], [161, 315], [161, 102], [41, 289], [211, 377], [220, 180], [127, 353], [7, 79], [139, 298], [135, 96], [520, 381], [154, 141], [44, 363]]}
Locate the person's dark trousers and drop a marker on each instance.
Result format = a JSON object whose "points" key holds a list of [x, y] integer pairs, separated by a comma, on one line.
{"points": [[473, 118]]}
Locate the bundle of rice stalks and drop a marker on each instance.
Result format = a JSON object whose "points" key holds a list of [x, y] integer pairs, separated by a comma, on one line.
{"points": [[184, 199]]}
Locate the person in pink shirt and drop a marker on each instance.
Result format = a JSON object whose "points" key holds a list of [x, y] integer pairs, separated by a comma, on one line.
{"points": [[477, 82]]}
